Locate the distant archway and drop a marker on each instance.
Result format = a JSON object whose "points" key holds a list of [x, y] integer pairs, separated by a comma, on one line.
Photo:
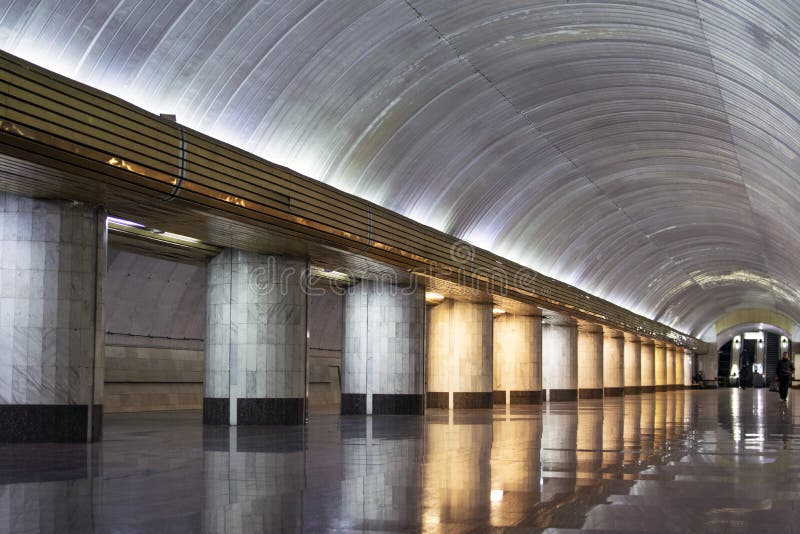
{"points": [[748, 353]]}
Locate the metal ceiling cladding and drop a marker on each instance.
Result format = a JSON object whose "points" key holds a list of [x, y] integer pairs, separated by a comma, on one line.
{"points": [[644, 152]]}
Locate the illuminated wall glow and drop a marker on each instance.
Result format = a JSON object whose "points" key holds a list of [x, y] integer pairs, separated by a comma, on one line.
{"points": [[433, 298], [734, 369]]}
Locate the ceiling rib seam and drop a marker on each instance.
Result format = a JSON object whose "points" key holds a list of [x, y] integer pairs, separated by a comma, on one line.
{"points": [[463, 57], [724, 103]]}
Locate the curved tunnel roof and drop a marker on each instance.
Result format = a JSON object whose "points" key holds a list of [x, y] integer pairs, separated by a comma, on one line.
{"points": [[646, 152]]}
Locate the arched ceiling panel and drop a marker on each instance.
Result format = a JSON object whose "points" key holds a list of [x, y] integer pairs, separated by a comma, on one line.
{"points": [[644, 151]]}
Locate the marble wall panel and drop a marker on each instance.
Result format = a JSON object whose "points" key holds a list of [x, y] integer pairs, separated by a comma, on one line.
{"points": [[47, 301]]}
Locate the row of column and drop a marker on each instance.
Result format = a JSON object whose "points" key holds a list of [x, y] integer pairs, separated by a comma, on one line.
{"points": [[256, 350], [52, 271]]}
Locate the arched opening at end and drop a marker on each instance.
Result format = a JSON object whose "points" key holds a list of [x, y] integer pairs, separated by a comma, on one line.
{"points": [[748, 354]]}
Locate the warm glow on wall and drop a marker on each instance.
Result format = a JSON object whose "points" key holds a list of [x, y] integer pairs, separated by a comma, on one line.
{"points": [[433, 298]]}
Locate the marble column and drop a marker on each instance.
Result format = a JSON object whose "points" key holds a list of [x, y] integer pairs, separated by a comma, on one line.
{"points": [[383, 365], [52, 271], [590, 361], [648, 366], [517, 359], [708, 362], [613, 364], [632, 357], [670, 365], [660, 366], [460, 355], [687, 367], [560, 361], [255, 352]]}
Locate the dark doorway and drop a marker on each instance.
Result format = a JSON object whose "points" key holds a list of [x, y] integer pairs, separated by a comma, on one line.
{"points": [[724, 366], [746, 360], [772, 353]]}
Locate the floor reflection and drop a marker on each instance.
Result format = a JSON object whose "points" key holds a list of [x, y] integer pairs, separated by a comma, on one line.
{"points": [[694, 461]]}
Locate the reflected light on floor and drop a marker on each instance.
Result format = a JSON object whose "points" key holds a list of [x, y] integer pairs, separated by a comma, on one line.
{"points": [[595, 464]]}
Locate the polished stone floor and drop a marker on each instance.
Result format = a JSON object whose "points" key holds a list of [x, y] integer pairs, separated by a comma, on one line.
{"points": [[696, 461]]}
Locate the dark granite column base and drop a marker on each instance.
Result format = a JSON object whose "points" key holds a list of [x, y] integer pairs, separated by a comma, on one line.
{"points": [[472, 400], [661, 388], [517, 397], [613, 392], [438, 399], [499, 396], [397, 404], [559, 395], [216, 411], [270, 411], [590, 393], [632, 390], [461, 399], [648, 389], [49, 423], [354, 404], [526, 397]]}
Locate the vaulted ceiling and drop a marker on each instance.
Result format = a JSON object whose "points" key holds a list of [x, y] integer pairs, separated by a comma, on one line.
{"points": [[645, 151]]}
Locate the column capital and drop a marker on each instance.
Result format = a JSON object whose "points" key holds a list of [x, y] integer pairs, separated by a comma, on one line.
{"points": [[589, 328], [632, 338], [612, 333]]}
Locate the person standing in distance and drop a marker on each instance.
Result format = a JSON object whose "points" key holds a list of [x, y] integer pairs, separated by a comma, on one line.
{"points": [[785, 371]]}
